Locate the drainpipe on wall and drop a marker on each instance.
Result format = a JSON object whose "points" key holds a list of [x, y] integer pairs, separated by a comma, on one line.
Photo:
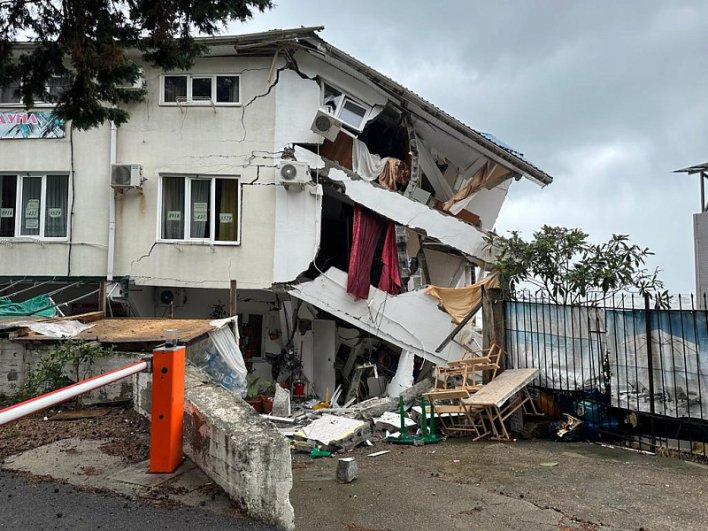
{"points": [[113, 148]]}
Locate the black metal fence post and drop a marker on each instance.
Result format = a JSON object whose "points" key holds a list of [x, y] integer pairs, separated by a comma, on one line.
{"points": [[650, 368]]}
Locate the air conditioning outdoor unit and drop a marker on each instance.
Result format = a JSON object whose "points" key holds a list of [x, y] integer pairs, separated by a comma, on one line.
{"points": [[326, 125], [166, 296], [126, 175], [291, 172]]}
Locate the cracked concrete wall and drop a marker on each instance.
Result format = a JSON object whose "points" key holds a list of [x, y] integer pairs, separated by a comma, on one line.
{"points": [[201, 140], [89, 228], [234, 446]]}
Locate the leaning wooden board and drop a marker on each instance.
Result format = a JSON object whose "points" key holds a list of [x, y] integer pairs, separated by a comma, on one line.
{"points": [[502, 388]]}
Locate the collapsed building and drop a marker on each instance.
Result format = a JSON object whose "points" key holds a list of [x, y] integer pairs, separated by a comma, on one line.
{"points": [[279, 179]]}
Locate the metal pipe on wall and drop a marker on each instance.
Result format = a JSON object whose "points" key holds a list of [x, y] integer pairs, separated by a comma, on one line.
{"points": [[113, 149]]}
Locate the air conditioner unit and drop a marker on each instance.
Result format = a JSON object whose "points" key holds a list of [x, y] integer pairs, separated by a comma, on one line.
{"points": [[291, 172], [166, 296], [126, 175], [326, 125]]}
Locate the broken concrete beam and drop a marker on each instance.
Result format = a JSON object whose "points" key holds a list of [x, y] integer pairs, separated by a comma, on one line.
{"points": [[415, 391], [378, 407], [234, 446], [347, 470]]}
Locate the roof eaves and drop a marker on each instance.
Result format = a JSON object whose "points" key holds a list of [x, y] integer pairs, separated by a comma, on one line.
{"points": [[502, 152]]}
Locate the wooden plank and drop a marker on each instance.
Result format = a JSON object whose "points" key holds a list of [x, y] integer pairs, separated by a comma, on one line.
{"points": [[448, 394], [502, 388]]}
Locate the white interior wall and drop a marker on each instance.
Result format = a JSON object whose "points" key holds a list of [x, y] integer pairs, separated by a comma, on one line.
{"points": [[324, 352]]}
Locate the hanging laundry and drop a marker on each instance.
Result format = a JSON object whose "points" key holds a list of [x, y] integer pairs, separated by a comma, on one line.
{"points": [[390, 280], [459, 302], [395, 174], [366, 231]]}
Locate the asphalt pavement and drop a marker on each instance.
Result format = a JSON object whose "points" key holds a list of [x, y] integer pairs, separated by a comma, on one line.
{"points": [[46, 505]]}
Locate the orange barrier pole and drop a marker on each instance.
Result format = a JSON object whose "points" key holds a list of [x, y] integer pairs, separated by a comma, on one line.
{"points": [[167, 409]]}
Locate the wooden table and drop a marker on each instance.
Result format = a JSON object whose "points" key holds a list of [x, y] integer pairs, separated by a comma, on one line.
{"points": [[503, 396]]}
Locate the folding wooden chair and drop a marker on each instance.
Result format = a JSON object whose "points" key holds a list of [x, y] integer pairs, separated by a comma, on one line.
{"points": [[464, 372], [456, 417]]}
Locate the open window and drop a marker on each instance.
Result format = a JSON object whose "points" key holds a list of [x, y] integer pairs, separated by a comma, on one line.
{"points": [[349, 110]]}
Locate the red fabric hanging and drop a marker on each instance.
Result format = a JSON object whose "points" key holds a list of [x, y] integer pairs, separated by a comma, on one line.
{"points": [[366, 231], [390, 280]]}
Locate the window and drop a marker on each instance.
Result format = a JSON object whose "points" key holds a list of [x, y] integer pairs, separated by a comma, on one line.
{"points": [[10, 93], [200, 208], [56, 86], [195, 89], [344, 107], [34, 205]]}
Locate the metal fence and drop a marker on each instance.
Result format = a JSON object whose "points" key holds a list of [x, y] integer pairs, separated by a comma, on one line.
{"points": [[626, 369]]}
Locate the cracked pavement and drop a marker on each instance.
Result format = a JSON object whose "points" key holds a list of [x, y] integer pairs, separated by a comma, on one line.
{"points": [[541, 485]]}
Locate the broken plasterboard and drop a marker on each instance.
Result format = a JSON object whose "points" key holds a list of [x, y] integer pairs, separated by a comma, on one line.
{"points": [[336, 431], [390, 420]]}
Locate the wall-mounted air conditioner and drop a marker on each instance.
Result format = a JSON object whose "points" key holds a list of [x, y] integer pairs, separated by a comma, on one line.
{"points": [[326, 125], [166, 296], [291, 172], [126, 175]]}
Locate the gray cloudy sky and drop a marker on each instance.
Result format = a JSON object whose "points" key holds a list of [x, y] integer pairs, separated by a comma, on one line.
{"points": [[608, 97]]}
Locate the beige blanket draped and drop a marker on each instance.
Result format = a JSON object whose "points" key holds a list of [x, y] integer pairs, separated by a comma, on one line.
{"points": [[458, 302]]}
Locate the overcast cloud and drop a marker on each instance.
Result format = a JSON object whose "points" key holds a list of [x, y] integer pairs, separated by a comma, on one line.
{"points": [[608, 97]]}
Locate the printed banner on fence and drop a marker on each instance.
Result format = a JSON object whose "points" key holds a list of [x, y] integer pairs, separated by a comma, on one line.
{"points": [[564, 342], [30, 124], [679, 355]]}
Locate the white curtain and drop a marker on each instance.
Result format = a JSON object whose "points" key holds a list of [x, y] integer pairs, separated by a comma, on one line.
{"points": [[366, 165], [31, 205], [199, 224]]}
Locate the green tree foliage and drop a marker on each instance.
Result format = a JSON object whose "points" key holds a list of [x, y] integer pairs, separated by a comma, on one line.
{"points": [[566, 268], [90, 43]]}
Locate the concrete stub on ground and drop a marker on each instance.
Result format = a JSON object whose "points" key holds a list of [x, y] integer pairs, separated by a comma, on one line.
{"points": [[232, 444], [347, 470]]}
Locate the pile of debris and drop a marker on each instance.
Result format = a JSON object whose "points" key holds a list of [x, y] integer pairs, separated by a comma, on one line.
{"points": [[321, 428]]}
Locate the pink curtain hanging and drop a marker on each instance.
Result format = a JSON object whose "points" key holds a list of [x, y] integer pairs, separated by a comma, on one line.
{"points": [[390, 280], [366, 231]]}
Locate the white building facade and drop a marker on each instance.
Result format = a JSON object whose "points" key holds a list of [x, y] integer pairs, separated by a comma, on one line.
{"points": [[208, 203]]}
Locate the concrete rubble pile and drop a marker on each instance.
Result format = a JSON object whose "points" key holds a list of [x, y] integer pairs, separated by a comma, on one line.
{"points": [[314, 425]]}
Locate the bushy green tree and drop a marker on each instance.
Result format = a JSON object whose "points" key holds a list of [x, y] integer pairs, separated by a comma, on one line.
{"points": [[87, 41], [566, 268]]}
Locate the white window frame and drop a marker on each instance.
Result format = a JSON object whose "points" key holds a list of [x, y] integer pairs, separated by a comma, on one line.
{"points": [[187, 219], [346, 97], [198, 103], [43, 208], [37, 103]]}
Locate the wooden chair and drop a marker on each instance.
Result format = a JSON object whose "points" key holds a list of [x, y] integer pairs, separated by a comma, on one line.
{"points": [[456, 417], [466, 372]]}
